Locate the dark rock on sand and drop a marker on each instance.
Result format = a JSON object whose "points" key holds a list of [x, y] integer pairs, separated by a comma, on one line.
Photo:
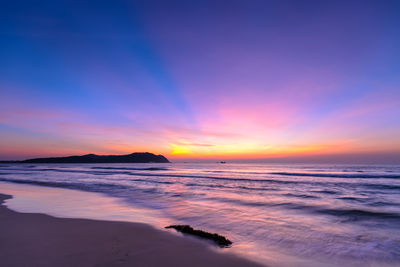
{"points": [[187, 229]]}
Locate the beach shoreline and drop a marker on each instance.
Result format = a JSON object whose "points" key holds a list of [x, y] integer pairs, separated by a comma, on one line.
{"points": [[32, 239]]}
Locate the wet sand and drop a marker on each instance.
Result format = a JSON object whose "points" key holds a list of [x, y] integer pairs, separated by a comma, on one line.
{"points": [[28, 239]]}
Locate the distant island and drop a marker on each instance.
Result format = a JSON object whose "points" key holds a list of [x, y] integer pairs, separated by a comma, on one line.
{"points": [[138, 157]]}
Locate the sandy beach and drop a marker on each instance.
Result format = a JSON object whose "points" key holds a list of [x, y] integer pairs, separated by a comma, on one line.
{"points": [[29, 239]]}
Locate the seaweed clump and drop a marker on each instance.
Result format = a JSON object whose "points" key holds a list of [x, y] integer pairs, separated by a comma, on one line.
{"points": [[218, 239]]}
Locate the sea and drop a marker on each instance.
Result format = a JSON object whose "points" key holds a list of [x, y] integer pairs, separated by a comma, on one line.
{"points": [[275, 214]]}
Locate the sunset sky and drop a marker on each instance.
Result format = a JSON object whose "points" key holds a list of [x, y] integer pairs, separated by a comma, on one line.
{"points": [[201, 79]]}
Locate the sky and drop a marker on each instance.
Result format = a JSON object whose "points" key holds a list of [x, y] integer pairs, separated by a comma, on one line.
{"points": [[201, 80]]}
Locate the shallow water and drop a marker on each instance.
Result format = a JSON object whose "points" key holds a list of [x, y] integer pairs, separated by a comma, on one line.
{"points": [[280, 214]]}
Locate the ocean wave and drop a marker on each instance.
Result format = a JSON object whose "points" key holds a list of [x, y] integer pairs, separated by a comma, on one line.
{"points": [[115, 190], [382, 186], [238, 201], [132, 169], [93, 187], [247, 188], [149, 181], [325, 183], [220, 178], [350, 198], [337, 175], [301, 196], [347, 215], [383, 204], [359, 214], [325, 191]]}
